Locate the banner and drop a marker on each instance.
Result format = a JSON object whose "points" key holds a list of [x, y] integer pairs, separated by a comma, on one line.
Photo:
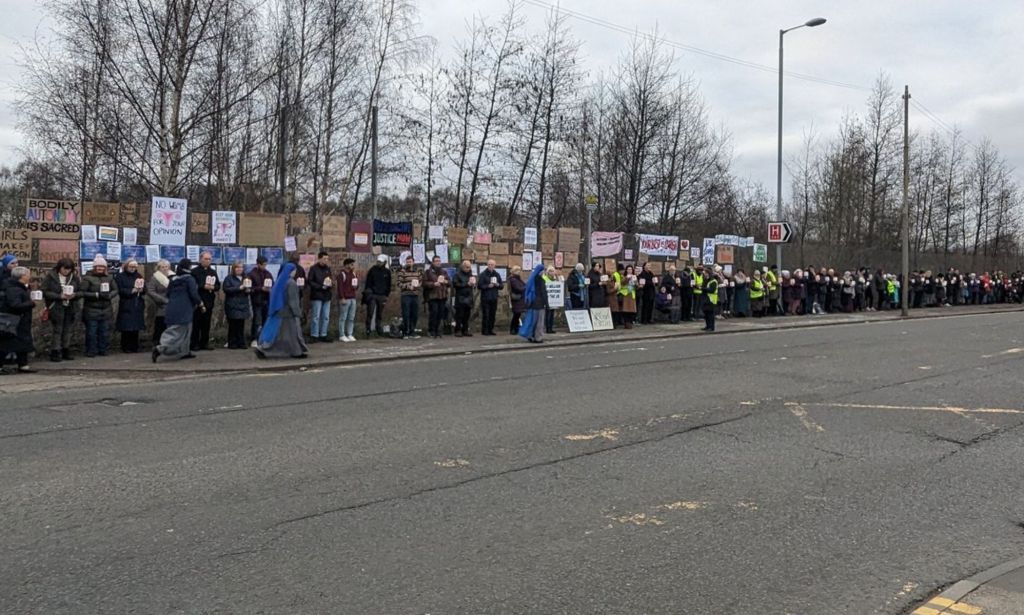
{"points": [[392, 233], [50, 219], [225, 227], [605, 244], [658, 245], [168, 220]]}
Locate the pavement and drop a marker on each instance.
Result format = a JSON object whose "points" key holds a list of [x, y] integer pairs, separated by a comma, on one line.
{"points": [[996, 591], [855, 469]]}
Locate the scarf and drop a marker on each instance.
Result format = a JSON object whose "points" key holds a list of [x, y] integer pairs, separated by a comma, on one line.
{"points": [[161, 279]]}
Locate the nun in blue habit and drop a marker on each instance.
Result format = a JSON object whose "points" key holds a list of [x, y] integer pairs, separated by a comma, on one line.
{"points": [[282, 334], [536, 300]]}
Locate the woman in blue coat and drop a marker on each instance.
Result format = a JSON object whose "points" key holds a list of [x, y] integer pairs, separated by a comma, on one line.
{"points": [[182, 302], [237, 307], [131, 308]]}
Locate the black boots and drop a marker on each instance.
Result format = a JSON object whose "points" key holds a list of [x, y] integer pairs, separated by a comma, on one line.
{"points": [[55, 356]]}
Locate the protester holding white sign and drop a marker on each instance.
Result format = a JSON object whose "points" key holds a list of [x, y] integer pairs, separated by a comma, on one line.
{"points": [[98, 292], [131, 307]]}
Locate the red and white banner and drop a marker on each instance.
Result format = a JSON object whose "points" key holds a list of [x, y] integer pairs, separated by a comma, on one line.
{"points": [[603, 243], [658, 245]]}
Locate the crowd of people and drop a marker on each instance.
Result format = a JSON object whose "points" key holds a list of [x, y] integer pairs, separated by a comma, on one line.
{"points": [[182, 298]]}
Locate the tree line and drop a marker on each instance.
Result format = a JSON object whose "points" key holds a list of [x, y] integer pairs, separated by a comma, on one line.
{"points": [[271, 105]]}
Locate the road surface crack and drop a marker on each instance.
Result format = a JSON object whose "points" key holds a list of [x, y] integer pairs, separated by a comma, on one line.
{"points": [[508, 472]]}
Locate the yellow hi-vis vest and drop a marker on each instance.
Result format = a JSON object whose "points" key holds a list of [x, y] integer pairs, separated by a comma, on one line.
{"points": [[713, 291], [698, 283], [772, 280], [756, 289]]}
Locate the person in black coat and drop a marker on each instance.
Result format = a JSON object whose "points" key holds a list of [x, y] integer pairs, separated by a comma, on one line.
{"points": [[16, 300], [463, 284], [489, 283], [131, 307], [183, 303], [208, 284], [648, 290], [516, 298], [60, 291], [598, 297], [375, 294], [237, 308]]}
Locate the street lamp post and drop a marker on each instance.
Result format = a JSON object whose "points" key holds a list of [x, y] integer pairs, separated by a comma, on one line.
{"points": [[591, 208], [811, 23]]}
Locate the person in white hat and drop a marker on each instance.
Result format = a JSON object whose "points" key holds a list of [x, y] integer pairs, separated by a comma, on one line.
{"points": [[98, 292]]}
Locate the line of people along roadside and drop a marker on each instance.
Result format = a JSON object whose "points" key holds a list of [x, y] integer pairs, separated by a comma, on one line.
{"points": [[183, 299]]}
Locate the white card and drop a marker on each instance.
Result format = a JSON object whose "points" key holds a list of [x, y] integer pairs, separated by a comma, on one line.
{"points": [[104, 287]]}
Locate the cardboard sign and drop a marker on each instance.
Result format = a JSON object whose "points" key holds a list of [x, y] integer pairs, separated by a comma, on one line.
{"points": [[457, 236], [108, 214], [579, 321], [200, 222], [256, 229], [333, 231], [49, 251], [506, 233], [568, 239], [601, 319], [129, 214], [483, 239], [51, 219], [17, 241], [725, 254]]}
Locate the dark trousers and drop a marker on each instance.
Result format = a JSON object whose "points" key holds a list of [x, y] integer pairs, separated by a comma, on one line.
{"points": [[410, 313], [709, 317], [201, 330], [129, 341], [259, 316], [21, 360], [488, 310], [549, 321], [513, 327], [686, 304], [63, 325], [647, 310], [375, 308], [436, 312], [236, 333], [159, 326], [97, 337], [696, 303], [462, 312]]}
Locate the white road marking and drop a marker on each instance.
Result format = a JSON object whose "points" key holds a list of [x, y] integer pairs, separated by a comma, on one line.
{"points": [[805, 420], [951, 409], [1003, 353]]}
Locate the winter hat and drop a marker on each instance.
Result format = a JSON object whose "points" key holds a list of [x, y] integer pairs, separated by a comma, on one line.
{"points": [[8, 259], [184, 266], [99, 261], [382, 258]]}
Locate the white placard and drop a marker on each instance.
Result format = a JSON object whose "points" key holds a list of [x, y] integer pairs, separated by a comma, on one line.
{"points": [[441, 250], [37, 295], [192, 253], [527, 261], [152, 253], [247, 282], [268, 283], [211, 280], [140, 283], [224, 226], [104, 287], [556, 295], [68, 291], [131, 235], [289, 244], [251, 254], [601, 319], [114, 250], [419, 252], [88, 233], [530, 237], [168, 221], [435, 231], [223, 271], [579, 321]]}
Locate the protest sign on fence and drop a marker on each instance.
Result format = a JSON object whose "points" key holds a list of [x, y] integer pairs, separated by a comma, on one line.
{"points": [[168, 221], [52, 219], [760, 253], [16, 241], [605, 244], [225, 227], [658, 245], [556, 295], [392, 233]]}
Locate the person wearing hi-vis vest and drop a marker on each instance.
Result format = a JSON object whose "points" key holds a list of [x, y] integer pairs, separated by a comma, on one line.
{"points": [[771, 280], [757, 293], [698, 290], [709, 297]]}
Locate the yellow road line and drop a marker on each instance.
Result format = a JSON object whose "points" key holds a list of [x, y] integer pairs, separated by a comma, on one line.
{"points": [[938, 605]]}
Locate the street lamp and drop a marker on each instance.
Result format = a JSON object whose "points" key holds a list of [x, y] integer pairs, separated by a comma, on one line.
{"points": [[591, 201], [810, 23]]}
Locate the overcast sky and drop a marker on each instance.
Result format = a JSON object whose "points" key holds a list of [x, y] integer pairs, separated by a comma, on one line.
{"points": [[962, 60]]}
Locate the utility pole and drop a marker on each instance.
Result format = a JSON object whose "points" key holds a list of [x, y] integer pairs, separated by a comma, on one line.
{"points": [[905, 282], [778, 169], [373, 161]]}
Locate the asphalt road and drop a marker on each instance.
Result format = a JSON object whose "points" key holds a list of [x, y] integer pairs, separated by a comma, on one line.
{"points": [[849, 469]]}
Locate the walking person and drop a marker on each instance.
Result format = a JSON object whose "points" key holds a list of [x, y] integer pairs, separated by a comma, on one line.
{"points": [[156, 295], [183, 302], [517, 298], [61, 293], [489, 284], [208, 284], [463, 284], [237, 306], [282, 335], [16, 306], [375, 295], [410, 286], [536, 298], [436, 283], [131, 306], [98, 292], [348, 287], [261, 282], [320, 292]]}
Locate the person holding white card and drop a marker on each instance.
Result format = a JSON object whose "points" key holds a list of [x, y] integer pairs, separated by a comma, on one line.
{"points": [[348, 285], [131, 307], [375, 294], [463, 284], [436, 285], [60, 292], [237, 307], [410, 285], [16, 306], [156, 295], [596, 279], [98, 292], [648, 292], [208, 283], [319, 282], [262, 281], [489, 283]]}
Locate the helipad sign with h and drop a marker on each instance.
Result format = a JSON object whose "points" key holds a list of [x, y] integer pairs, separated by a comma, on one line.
{"points": [[779, 232]]}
